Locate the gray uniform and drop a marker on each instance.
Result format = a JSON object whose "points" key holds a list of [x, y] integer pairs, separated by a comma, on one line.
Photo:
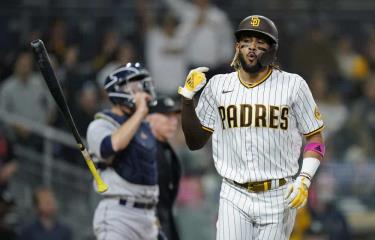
{"points": [[127, 210]]}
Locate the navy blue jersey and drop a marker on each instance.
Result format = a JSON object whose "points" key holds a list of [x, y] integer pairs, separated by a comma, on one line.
{"points": [[137, 162]]}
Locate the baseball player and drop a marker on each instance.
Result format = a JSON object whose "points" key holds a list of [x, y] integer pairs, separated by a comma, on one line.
{"points": [[122, 144], [257, 116]]}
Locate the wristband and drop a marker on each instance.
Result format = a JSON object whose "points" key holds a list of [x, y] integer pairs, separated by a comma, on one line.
{"points": [[309, 167], [315, 147], [186, 93]]}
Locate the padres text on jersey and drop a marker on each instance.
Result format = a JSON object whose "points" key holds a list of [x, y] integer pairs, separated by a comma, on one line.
{"points": [[258, 128]]}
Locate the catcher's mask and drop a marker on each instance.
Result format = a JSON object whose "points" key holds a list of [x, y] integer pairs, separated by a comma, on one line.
{"points": [[264, 27], [124, 82]]}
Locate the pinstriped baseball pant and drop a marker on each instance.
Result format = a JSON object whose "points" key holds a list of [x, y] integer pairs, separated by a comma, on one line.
{"points": [[258, 216]]}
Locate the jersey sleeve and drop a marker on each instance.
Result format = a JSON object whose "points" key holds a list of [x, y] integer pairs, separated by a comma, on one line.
{"points": [[98, 139], [206, 108], [309, 119]]}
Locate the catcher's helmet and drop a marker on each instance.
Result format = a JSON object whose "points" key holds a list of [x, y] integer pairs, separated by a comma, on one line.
{"points": [[116, 84], [264, 26]]}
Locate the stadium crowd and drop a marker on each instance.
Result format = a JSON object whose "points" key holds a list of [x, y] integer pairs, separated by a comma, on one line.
{"points": [[335, 56]]}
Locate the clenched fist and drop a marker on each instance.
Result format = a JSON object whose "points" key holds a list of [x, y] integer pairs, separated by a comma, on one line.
{"points": [[194, 82]]}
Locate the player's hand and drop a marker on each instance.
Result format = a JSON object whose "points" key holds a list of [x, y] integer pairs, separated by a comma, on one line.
{"points": [[195, 80], [297, 192], [141, 100]]}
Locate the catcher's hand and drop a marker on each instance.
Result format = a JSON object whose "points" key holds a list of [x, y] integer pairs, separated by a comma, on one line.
{"points": [[195, 80], [297, 192]]}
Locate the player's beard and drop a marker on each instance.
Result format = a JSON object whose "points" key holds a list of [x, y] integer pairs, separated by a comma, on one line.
{"points": [[248, 67]]}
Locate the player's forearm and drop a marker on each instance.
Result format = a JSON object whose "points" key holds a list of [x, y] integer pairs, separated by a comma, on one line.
{"points": [[195, 136], [121, 138], [316, 138], [313, 153]]}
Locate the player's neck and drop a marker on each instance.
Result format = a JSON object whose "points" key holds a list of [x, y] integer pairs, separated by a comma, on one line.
{"points": [[253, 77], [120, 110]]}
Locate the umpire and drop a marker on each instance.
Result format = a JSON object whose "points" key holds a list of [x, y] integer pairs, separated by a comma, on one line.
{"points": [[163, 121]]}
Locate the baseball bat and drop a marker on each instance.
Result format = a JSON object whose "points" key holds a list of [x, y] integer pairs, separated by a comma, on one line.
{"points": [[44, 63]]}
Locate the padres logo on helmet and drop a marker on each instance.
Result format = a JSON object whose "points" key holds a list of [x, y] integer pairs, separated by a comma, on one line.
{"points": [[255, 21]]}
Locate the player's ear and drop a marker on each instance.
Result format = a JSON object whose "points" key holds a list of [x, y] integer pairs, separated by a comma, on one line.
{"points": [[237, 46]]}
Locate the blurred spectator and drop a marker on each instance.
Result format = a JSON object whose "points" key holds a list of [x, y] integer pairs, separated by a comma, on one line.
{"points": [[109, 46], [331, 106], [330, 103], [314, 52], [69, 74], [83, 109], [7, 169], [192, 193], [315, 234], [87, 104], [123, 55], [57, 38], [164, 122], [73, 81], [353, 67], [165, 50], [351, 64], [370, 51], [208, 33], [358, 132], [8, 166], [363, 118], [6, 205], [46, 226], [326, 216], [25, 94]]}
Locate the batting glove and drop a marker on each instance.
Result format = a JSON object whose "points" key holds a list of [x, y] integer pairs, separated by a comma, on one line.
{"points": [[297, 192], [194, 82]]}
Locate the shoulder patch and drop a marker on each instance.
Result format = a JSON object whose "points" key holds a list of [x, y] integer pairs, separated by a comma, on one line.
{"points": [[317, 113]]}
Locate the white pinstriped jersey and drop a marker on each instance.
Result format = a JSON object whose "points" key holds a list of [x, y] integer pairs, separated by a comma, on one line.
{"points": [[258, 129]]}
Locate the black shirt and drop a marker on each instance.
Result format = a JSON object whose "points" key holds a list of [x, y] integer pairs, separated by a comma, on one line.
{"points": [[169, 174]]}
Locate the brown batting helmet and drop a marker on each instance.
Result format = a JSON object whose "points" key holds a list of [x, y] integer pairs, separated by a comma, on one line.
{"points": [[264, 26]]}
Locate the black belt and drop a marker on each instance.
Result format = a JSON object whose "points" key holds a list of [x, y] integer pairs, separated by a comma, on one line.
{"points": [[139, 205], [261, 186]]}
